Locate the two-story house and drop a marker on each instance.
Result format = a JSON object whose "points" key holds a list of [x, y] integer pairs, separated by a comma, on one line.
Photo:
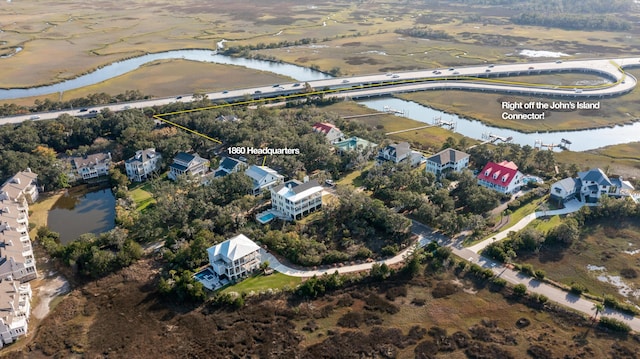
{"points": [[90, 166], [589, 186], [447, 160], [229, 165], [293, 199], [185, 163], [143, 164], [399, 152], [502, 177], [234, 258], [331, 133], [263, 178], [16, 254]]}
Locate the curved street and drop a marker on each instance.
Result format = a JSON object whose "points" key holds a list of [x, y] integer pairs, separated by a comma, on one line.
{"points": [[427, 235]]}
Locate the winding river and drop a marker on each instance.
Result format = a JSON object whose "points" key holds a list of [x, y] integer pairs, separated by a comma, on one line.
{"points": [[580, 140]]}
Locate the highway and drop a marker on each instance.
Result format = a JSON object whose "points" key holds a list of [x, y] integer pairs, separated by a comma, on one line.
{"points": [[485, 78]]}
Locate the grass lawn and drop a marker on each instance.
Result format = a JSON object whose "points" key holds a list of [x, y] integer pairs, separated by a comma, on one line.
{"points": [[262, 282], [353, 178], [40, 210], [546, 224], [142, 197]]}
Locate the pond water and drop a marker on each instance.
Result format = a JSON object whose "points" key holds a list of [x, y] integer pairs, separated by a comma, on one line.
{"points": [[79, 212]]}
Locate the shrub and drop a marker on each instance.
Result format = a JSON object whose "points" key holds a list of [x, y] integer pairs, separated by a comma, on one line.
{"points": [[527, 269], [614, 324], [539, 273], [520, 289], [577, 289]]}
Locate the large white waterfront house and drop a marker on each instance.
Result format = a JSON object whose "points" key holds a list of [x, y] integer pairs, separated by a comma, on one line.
{"points": [[447, 160], [293, 199], [589, 186], [234, 258], [263, 178], [90, 166], [185, 163]]}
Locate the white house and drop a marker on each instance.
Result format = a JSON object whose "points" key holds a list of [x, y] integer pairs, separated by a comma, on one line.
{"points": [[185, 163], [234, 258], [22, 184], [293, 199], [399, 152], [589, 186], [263, 178], [143, 164], [448, 159], [90, 166], [502, 177], [15, 307], [330, 131]]}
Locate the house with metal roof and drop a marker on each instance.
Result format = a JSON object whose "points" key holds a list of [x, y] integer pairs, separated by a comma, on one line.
{"points": [[502, 177], [142, 164], [229, 165], [90, 166], [186, 163], [447, 160], [293, 199], [234, 258], [263, 178]]}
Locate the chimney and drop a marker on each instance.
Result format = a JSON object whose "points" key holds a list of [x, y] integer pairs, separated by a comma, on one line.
{"points": [[13, 309], [15, 287], [305, 179]]}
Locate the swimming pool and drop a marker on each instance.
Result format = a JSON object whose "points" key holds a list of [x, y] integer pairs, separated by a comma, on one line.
{"points": [[265, 218]]}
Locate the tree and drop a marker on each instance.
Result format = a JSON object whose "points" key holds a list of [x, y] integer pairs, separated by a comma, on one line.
{"points": [[598, 307], [520, 289]]}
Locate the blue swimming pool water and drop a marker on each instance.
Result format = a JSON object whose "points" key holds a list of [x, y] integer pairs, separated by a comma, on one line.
{"points": [[203, 275], [267, 217]]}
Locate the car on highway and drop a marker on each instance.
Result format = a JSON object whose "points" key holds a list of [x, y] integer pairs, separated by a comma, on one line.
{"points": [[93, 111], [530, 67], [491, 66], [395, 76], [127, 107], [295, 85], [559, 62], [258, 92], [456, 73], [34, 117], [345, 81], [276, 85], [179, 97], [225, 91], [83, 110], [487, 70], [451, 69]]}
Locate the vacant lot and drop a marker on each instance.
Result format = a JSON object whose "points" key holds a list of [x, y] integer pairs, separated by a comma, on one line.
{"points": [[121, 316], [604, 260]]}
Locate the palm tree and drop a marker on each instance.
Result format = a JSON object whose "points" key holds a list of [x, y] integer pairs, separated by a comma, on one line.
{"points": [[598, 307]]}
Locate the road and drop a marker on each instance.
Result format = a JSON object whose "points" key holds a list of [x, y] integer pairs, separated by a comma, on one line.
{"points": [[427, 235], [486, 78]]}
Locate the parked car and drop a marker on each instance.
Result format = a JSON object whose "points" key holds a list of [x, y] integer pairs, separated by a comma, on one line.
{"points": [[84, 109]]}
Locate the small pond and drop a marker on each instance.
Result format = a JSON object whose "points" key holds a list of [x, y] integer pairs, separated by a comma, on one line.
{"points": [[82, 210]]}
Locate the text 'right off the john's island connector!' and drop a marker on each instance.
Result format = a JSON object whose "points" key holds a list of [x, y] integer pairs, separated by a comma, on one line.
{"points": [[535, 110]]}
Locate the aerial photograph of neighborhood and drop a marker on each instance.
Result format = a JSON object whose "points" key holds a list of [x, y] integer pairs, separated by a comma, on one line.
{"points": [[320, 179]]}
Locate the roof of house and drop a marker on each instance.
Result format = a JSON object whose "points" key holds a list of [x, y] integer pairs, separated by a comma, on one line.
{"points": [[448, 155], [142, 156], [92, 159], [184, 157], [234, 248], [324, 127], [295, 190], [596, 175], [354, 143], [618, 182], [568, 184], [257, 173], [15, 185], [398, 149], [500, 174], [228, 164]]}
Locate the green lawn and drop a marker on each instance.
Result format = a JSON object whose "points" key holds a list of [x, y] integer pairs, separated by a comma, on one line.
{"points": [[262, 282], [353, 178], [546, 224], [142, 196]]}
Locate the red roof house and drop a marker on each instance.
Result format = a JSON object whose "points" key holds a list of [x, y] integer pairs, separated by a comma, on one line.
{"points": [[503, 177]]}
